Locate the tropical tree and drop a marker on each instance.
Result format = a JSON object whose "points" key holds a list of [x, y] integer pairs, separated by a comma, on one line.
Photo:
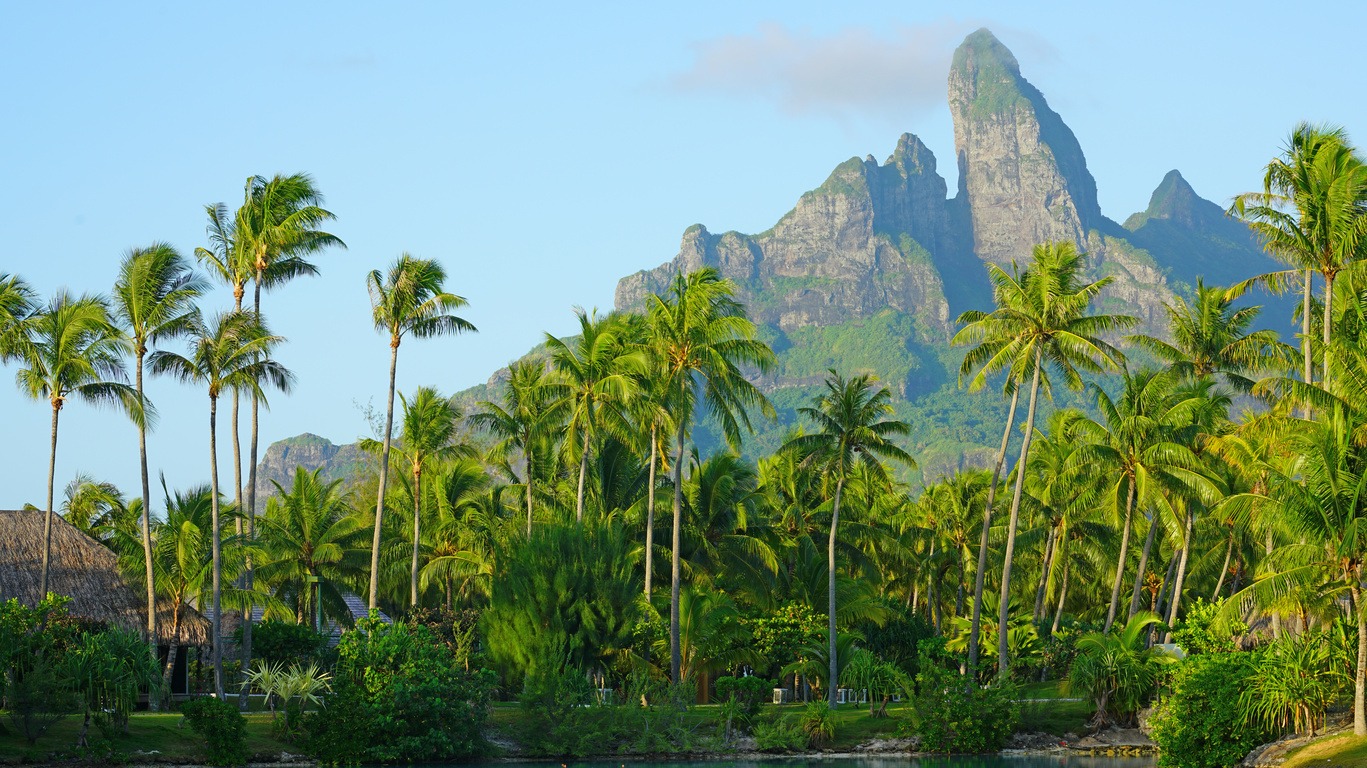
{"points": [[311, 535], [595, 374], [429, 425], [1041, 321], [153, 301], [526, 422], [409, 300], [71, 349], [703, 337], [462, 532], [1116, 671], [229, 352], [852, 430], [16, 306]]}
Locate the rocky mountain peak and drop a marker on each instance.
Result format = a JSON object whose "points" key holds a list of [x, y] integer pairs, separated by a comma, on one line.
{"points": [[1175, 200]]}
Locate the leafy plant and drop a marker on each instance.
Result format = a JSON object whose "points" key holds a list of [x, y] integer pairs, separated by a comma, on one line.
{"points": [[954, 714], [1196, 632], [223, 728], [818, 722], [1293, 684], [1201, 724], [1116, 671], [782, 734]]}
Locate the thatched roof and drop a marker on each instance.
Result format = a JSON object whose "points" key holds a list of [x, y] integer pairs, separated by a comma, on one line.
{"points": [[87, 572]]}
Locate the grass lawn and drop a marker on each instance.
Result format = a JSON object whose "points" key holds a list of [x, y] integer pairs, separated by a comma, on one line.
{"points": [[1345, 749], [147, 732], [1044, 709]]}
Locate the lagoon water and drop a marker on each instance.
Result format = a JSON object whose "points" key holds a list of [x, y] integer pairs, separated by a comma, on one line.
{"points": [[962, 761]]}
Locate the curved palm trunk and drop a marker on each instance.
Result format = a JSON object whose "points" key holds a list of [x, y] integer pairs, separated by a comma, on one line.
{"points": [[1175, 601], [975, 630], [1062, 596], [1224, 569], [1328, 323], [1308, 373], [47, 519], [834, 681], [217, 623], [675, 655], [146, 516], [417, 525], [1045, 566], [1004, 604], [1143, 566], [169, 670], [650, 512], [583, 470], [1120, 561], [384, 479]]}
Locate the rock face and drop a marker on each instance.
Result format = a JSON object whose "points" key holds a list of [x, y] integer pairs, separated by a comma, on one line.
{"points": [[309, 451]]}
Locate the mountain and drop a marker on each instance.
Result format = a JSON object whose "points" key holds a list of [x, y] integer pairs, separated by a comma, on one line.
{"points": [[868, 270], [278, 463]]}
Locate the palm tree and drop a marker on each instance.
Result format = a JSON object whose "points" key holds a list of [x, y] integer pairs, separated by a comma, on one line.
{"points": [[1310, 215], [429, 424], [1212, 338], [464, 526], [703, 337], [311, 534], [16, 306], [1041, 320], [229, 352], [183, 555], [724, 543], [853, 430], [525, 422], [595, 373], [71, 349], [409, 300], [153, 301]]}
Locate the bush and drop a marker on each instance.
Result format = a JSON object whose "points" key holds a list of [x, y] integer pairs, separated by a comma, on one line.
{"points": [[278, 642], [818, 722], [1200, 724], [1116, 671], [1293, 683], [749, 692], [33, 644], [399, 697], [223, 728], [958, 717], [1196, 635], [561, 717], [780, 735]]}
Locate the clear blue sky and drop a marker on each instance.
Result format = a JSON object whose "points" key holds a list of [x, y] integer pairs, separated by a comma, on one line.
{"points": [[542, 151]]}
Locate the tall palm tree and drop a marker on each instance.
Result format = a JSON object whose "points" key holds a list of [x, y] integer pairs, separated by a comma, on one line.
{"points": [[409, 300], [1041, 321], [724, 543], [651, 412], [852, 429], [460, 537], [16, 306], [525, 422], [229, 352], [1210, 337], [71, 349], [311, 532], [153, 301], [429, 425], [703, 337], [595, 372], [1310, 215]]}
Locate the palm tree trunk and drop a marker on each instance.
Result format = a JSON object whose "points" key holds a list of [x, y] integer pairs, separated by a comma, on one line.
{"points": [[1328, 323], [417, 538], [47, 519], [1308, 374], [1224, 569], [217, 623], [249, 577], [1175, 601], [1143, 565], [650, 513], [975, 629], [830, 590], [169, 670], [1359, 710], [384, 478], [583, 470], [1004, 604], [146, 517], [1120, 561], [675, 656], [959, 597], [529, 492], [1044, 572], [1062, 597]]}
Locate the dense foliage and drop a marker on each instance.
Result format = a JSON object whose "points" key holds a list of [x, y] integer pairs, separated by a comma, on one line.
{"points": [[1200, 724]]}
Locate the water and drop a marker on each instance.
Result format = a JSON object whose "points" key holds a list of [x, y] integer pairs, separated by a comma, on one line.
{"points": [[964, 761]]}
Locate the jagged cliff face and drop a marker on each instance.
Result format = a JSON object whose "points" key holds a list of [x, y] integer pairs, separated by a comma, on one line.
{"points": [[311, 452]]}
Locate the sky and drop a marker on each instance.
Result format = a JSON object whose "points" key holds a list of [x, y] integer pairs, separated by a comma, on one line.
{"points": [[542, 151]]}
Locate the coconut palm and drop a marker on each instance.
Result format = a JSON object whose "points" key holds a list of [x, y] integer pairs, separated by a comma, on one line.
{"points": [[429, 425], [724, 542], [1310, 215], [459, 540], [153, 301], [1210, 337], [703, 337], [310, 534], [229, 352], [852, 429], [1041, 321], [183, 556], [526, 422], [409, 300], [595, 372], [71, 349], [16, 306]]}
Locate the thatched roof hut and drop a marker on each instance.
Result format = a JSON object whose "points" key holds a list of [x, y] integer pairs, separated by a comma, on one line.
{"points": [[87, 572]]}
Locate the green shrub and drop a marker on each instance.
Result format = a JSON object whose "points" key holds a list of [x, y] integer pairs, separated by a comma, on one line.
{"points": [[561, 717], [1196, 634], [223, 728], [1116, 671], [33, 643], [818, 722], [782, 734], [279, 642], [1293, 683], [955, 716], [749, 692], [1200, 724]]}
